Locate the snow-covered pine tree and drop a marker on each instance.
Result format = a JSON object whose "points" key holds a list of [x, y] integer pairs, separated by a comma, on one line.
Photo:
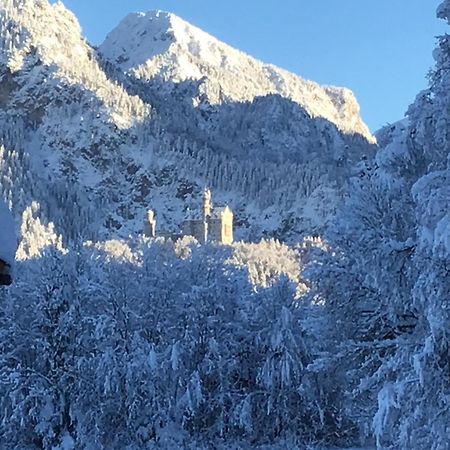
{"points": [[42, 335], [383, 285]]}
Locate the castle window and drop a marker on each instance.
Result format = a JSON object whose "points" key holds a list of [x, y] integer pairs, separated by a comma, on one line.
{"points": [[227, 230]]}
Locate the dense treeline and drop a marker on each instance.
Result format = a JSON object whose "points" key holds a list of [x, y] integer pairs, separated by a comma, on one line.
{"points": [[112, 347]]}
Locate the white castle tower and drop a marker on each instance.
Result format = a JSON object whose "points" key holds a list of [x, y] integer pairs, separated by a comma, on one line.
{"points": [[207, 203], [150, 224]]}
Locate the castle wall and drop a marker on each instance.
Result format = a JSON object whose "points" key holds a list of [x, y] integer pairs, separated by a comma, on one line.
{"points": [[196, 228], [215, 230]]}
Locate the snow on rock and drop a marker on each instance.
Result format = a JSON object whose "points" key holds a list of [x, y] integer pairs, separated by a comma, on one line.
{"points": [[8, 239], [148, 39], [36, 236], [37, 32], [161, 45]]}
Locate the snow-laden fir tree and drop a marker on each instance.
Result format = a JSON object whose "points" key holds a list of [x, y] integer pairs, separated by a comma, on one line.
{"points": [[385, 285]]}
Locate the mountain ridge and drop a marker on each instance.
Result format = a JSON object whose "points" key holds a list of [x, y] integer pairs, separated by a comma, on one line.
{"points": [[159, 44]]}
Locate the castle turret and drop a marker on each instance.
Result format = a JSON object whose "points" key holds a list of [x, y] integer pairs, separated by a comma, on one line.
{"points": [[150, 224], [207, 203]]}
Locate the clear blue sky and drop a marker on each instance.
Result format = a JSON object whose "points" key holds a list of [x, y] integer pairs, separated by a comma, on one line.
{"points": [[380, 49]]}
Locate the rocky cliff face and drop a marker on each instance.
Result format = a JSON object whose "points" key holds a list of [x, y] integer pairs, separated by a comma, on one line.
{"points": [[161, 46]]}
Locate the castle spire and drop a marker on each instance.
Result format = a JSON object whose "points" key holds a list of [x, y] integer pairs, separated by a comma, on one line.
{"points": [[207, 203], [150, 224]]}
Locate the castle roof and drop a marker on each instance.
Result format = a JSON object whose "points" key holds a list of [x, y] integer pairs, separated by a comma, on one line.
{"points": [[218, 211]]}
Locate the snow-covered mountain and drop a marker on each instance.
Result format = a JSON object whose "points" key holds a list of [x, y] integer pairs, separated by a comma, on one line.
{"points": [[163, 46], [160, 110]]}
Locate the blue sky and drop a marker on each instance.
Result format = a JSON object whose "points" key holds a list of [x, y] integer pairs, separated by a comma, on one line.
{"points": [[379, 49]]}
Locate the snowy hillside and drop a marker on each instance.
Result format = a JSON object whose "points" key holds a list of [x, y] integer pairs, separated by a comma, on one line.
{"points": [[43, 43], [138, 126]]}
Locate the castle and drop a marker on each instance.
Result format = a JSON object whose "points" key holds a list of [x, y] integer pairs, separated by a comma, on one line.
{"points": [[214, 225]]}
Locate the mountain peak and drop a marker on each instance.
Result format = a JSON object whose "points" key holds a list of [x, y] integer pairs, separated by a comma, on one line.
{"points": [[42, 43], [142, 36], [36, 23], [187, 110], [138, 38]]}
